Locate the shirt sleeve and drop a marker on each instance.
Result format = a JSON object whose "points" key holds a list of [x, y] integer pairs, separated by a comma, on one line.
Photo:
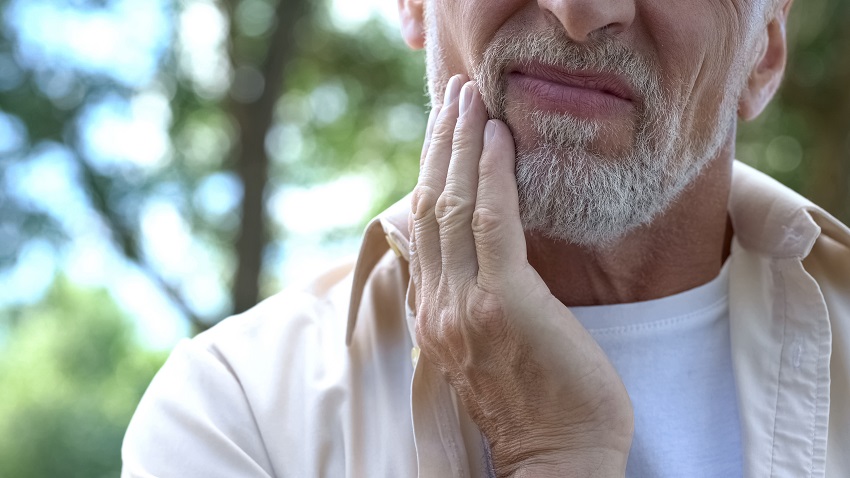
{"points": [[194, 421]]}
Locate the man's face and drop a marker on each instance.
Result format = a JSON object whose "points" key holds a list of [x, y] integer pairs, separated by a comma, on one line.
{"points": [[639, 105]]}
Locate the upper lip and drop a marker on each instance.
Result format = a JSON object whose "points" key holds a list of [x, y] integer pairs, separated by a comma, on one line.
{"points": [[609, 83]]}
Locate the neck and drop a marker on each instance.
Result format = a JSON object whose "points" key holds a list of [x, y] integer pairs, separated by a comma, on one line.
{"points": [[682, 248]]}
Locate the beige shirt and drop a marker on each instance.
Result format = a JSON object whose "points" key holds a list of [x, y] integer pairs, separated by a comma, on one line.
{"points": [[326, 381]]}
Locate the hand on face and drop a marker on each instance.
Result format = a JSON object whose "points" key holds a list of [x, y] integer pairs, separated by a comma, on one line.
{"points": [[531, 377]]}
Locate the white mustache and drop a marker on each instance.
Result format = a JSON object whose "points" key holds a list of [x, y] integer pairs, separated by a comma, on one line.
{"points": [[603, 54]]}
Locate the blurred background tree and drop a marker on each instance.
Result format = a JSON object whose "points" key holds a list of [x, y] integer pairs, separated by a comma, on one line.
{"points": [[166, 163], [71, 374]]}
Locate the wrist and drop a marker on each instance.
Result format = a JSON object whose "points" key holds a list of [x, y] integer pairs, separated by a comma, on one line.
{"points": [[590, 463], [579, 455]]}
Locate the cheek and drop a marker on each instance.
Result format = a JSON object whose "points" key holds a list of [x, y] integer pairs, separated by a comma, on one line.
{"points": [[698, 43], [465, 28]]}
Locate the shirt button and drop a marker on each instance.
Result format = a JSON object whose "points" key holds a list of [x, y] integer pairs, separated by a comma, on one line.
{"points": [[414, 356], [393, 246]]}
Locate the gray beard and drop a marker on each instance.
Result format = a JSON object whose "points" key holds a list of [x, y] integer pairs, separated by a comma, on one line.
{"points": [[571, 193], [568, 192]]}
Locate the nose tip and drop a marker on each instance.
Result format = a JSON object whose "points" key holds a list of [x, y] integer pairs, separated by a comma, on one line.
{"points": [[582, 18]]}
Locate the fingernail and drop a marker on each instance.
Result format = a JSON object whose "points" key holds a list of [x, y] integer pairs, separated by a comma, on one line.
{"points": [[465, 98], [452, 90], [489, 131]]}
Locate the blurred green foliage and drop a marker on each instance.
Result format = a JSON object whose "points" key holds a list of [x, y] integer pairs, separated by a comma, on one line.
{"points": [[803, 137], [71, 374], [370, 90], [71, 371]]}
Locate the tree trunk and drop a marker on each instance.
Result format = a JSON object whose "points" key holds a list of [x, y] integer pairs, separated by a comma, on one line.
{"points": [[251, 162]]}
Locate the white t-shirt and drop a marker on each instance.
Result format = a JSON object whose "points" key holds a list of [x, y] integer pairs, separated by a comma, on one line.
{"points": [[674, 357]]}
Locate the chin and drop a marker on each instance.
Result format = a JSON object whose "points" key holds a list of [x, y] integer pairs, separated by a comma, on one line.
{"points": [[611, 138]]}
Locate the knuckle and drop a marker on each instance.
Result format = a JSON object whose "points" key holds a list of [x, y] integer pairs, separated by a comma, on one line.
{"points": [[450, 206], [485, 308], [485, 221], [424, 201], [486, 314]]}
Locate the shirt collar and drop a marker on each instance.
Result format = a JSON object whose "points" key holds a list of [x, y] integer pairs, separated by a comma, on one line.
{"points": [[771, 219], [385, 232]]}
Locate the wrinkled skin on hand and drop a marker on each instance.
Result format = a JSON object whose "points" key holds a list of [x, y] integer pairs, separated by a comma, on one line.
{"points": [[531, 377]]}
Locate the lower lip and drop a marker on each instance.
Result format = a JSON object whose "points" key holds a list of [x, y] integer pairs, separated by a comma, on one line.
{"points": [[547, 95]]}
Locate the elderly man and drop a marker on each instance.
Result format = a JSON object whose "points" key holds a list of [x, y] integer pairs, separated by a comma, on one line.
{"points": [[583, 283]]}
